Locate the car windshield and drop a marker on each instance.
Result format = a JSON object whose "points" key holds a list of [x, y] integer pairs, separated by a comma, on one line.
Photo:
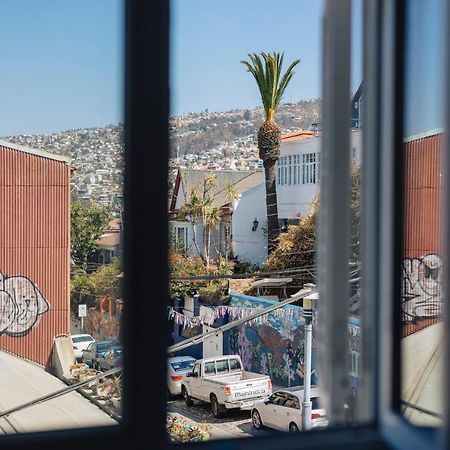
{"points": [[178, 366], [82, 339]]}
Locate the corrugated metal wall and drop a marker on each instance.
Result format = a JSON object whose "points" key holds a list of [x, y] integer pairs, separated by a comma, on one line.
{"points": [[422, 300], [34, 252]]}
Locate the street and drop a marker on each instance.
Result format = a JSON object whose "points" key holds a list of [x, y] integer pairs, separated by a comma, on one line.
{"points": [[235, 423]]}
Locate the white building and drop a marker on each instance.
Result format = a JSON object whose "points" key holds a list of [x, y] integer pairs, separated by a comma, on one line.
{"points": [[298, 171], [249, 225], [243, 227]]}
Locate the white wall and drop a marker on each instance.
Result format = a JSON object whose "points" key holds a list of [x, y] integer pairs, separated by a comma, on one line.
{"points": [[250, 245], [295, 199]]}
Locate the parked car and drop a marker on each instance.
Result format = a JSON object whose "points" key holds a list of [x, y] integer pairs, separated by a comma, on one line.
{"points": [[283, 410], [177, 368], [95, 349], [79, 343], [224, 384], [110, 359]]}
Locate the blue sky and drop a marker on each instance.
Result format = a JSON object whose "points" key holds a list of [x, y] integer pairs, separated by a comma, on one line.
{"points": [[62, 61], [210, 38], [61, 65], [424, 102]]}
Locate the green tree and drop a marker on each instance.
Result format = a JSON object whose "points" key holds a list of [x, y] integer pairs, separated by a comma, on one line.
{"points": [[200, 208], [104, 280], [266, 69], [296, 247], [81, 291], [88, 223], [87, 287]]}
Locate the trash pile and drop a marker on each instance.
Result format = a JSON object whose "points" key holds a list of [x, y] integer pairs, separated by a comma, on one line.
{"points": [[180, 430], [82, 372]]}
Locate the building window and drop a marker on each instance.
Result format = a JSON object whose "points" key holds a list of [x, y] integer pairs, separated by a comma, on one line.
{"points": [[289, 170], [283, 171], [309, 168], [296, 169]]}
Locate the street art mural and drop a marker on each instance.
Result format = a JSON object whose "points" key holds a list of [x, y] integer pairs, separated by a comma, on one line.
{"points": [[421, 288], [275, 346], [21, 305]]}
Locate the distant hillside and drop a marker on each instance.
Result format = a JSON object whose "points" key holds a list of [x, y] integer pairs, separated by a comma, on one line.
{"points": [[197, 132]]}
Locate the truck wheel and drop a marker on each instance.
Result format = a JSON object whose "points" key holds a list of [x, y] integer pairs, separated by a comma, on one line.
{"points": [[187, 397], [216, 409], [293, 428]]}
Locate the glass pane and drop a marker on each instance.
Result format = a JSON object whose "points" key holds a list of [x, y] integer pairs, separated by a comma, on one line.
{"points": [[61, 181], [222, 366], [216, 177], [421, 289]]}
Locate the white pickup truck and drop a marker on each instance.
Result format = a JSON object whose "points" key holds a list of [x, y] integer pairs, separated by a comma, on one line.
{"points": [[222, 382]]}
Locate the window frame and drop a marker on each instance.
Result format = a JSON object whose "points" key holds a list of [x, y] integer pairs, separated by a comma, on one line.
{"points": [[309, 168], [146, 114]]}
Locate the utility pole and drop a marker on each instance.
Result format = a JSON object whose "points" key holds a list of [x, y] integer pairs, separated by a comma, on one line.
{"points": [[308, 316]]}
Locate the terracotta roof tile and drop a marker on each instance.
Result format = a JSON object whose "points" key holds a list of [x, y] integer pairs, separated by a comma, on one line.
{"points": [[298, 135]]}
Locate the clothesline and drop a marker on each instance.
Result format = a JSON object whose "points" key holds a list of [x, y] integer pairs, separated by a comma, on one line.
{"points": [[235, 312]]}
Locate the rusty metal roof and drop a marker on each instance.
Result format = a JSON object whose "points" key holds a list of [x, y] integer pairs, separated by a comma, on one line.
{"points": [[35, 152]]}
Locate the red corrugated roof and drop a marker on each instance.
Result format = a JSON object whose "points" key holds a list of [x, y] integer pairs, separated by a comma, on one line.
{"points": [[297, 135]]}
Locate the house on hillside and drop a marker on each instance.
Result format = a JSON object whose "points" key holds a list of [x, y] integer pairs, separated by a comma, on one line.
{"points": [[109, 243]]}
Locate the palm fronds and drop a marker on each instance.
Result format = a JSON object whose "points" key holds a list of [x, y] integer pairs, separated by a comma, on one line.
{"points": [[266, 69]]}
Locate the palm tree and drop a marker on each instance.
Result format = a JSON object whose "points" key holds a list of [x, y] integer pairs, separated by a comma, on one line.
{"points": [[266, 69]]}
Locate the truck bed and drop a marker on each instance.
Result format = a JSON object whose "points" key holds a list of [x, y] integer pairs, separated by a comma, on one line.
{"points": [[228, 378]]}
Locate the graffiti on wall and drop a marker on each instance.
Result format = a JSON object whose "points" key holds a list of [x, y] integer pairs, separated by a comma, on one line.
{"points": [[21, 305], [274, 347], [421, 287]]}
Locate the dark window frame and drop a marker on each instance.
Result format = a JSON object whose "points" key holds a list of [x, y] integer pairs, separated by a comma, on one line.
{"points": [[147, 110]]}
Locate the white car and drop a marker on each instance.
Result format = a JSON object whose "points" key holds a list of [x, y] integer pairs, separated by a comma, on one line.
{"points": [[283, 410], [177, 368], [79, 343]]}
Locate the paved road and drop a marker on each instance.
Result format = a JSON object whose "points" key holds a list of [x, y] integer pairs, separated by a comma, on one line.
{"points": [[236, 423]]}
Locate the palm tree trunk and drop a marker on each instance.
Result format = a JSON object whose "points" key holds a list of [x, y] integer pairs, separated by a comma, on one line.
{"points": [[271, 206]]}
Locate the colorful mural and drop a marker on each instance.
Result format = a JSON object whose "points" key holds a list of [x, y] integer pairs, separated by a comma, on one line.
{"points": [[275, 346]]}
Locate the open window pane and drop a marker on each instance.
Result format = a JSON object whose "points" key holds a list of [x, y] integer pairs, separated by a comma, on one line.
{"points": [[61, 181], [221, 286], [422, 294]]}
